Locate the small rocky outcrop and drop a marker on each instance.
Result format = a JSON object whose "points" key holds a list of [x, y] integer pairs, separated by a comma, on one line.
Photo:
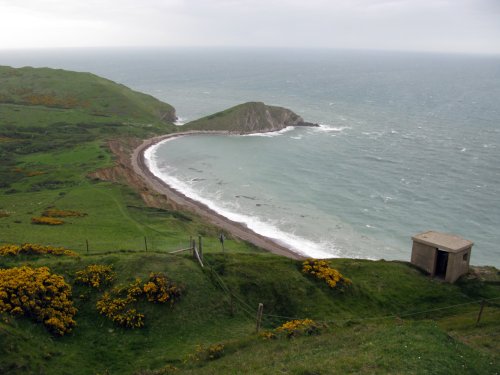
{"points": [[248, 118]]}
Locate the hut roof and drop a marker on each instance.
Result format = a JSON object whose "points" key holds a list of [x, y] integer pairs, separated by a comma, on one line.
{"points": [[445, 241]]}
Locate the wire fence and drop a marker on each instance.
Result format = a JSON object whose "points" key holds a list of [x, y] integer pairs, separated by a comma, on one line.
{"points": [[393, 315], [159, 245], [251, 312], [126, 245]]}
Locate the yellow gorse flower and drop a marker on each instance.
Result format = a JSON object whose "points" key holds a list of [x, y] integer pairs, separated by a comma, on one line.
{"points": [[31, 248], [46, 221], [159, 289], [297, 327], [96, 276], [54, 212], [321, 270], [210, 353], [39, 295], [215, 351], [118, 310], [117, 306]]}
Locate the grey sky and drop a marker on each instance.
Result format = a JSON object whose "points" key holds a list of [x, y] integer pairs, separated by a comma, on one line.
{"points": [[424, 25]]}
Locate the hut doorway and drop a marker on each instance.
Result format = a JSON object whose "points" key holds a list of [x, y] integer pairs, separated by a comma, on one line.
{"points": [[441, 263], [443, 255]]}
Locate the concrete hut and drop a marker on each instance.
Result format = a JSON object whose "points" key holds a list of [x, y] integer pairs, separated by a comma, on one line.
{"points": [[442, 255]]}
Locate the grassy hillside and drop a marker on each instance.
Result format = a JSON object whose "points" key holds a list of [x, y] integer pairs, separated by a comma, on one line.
{"points": [[48, 148], [246, 118], [362, 332], [61, 89], [393, 319]]}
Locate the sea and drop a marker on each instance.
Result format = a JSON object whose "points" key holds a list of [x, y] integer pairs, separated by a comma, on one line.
{"points": [[407, 142]]}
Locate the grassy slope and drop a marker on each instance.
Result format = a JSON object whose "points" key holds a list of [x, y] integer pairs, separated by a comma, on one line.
{"points": [[81, 91], [67, 143], [363, 335]]}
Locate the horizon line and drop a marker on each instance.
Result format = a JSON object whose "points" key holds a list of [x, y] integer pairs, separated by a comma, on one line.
{"points": [[216, 47]]}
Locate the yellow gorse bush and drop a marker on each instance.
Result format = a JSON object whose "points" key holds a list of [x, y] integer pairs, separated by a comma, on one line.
{"points": [[215, 351], [268, 335], [31, 248], [321, 270], [119, 311], [54, 212], [298, 327], [118, 305], [134, 290], [202, 353], [96, 276], [39, 295], [159, 289], [46, 221]]}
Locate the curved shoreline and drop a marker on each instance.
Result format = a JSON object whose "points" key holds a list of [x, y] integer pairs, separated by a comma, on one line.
{"points": [[236, 229]]}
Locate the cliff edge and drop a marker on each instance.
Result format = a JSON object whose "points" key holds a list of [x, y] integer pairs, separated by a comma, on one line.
{"points": [[247, 118]]}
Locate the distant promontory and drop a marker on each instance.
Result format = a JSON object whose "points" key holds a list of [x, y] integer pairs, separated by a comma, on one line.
{"points": [[248, 118]]}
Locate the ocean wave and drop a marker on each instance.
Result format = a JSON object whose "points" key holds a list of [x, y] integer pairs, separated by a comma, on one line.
{"points": [[374, 135], [325, 128], [269, 134], [296, 243], [380, 159], [180, 121]]}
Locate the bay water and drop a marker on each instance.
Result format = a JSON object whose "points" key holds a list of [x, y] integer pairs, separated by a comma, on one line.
{"points": [[408, 142]]}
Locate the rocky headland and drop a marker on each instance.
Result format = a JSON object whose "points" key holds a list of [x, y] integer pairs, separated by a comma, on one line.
{"points": [[248, 118]]}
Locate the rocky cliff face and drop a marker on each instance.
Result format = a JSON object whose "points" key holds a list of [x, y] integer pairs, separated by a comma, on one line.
{"points": [[123, 172], [247, 118]]}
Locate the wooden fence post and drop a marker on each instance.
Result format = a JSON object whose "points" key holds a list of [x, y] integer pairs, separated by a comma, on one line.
{"points": [[259, 316], [221, 240], [193, 246], [200, 248], [146, 244], [87, 244], [480, 312]]}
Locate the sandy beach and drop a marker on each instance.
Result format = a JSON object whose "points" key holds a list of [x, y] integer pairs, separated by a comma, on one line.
{"points": [[140, 167]]}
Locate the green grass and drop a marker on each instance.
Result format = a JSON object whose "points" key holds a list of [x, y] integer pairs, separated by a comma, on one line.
{"points": [[394, 319], [414, 347], [116, 220], [363, 335], [97, 344], [63, 89]]}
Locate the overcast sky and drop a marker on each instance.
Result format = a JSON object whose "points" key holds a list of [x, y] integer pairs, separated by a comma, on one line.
{"points": [[421, 25]]}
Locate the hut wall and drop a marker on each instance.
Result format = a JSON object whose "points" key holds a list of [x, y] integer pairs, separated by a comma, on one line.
{"points": [[424, 257], [458, 265]]}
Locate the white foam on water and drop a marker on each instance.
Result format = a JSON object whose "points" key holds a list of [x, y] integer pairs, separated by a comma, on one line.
{"points": [[296, 243], [325, 128], [269, 134], [180, 121]]}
